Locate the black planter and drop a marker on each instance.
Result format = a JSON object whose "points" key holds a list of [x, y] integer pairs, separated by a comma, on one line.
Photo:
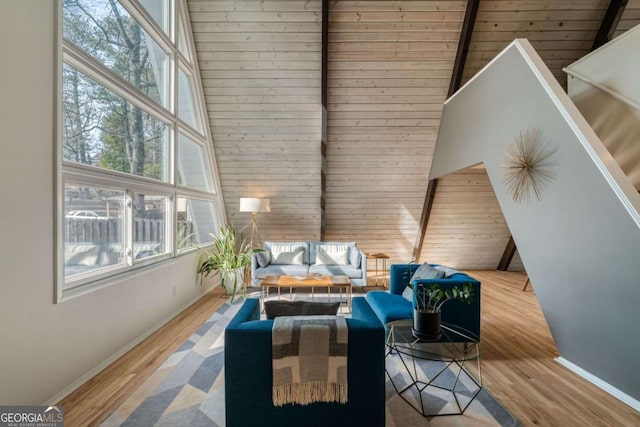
{"points": [[426, 325]]}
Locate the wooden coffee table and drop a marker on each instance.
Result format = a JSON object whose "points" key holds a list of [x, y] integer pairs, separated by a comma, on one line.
{"points": [[307, 281]]}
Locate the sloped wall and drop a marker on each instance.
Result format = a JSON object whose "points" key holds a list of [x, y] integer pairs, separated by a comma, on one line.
{"points": [[579, 243], [390, 65], [466, 229], [260, 67], [630, 17], [560, 31]]}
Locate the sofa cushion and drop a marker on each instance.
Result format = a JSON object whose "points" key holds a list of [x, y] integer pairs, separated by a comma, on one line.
{"points": [[263, 258], [389, 307], [332, 254], [280, 270], [283, 252], [426, 271], [314, 244], [336, 270], [275, 309], [289, 254]]}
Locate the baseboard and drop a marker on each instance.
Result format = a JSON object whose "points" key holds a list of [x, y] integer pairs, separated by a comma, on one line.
{"points": [[621, 396], [96, 370]]}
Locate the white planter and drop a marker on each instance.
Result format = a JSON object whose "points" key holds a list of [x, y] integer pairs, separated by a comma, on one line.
{"points": [[237, 274]]}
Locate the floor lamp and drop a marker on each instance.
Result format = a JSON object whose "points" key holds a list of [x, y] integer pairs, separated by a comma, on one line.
{"points": [[254, 205]]}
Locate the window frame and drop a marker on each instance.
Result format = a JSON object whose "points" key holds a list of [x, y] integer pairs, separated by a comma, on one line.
{"points": [[80, 174]]}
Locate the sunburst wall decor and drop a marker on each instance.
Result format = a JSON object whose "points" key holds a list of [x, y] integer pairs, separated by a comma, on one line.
{"points": [[527, 166]]}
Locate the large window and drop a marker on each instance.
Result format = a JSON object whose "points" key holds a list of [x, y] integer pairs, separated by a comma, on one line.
{"points": [[137, 177]]}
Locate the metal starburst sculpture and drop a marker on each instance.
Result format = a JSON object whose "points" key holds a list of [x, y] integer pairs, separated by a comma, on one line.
{"points": [[526, 163]]}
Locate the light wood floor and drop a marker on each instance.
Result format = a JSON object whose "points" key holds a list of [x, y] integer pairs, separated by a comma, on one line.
{"points": [[518, 364]]}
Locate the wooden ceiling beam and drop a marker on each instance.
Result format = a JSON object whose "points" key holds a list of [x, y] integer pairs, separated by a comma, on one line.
{"points": [[609, 23], [454, 85], [507, 256]]}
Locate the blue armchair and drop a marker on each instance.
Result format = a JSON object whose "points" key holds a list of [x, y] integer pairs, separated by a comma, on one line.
{"points": [[248, 375], [391, 306]]}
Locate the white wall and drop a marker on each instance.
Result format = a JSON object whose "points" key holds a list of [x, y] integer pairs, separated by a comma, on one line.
{"points": [[579, 243], [44, 347]]}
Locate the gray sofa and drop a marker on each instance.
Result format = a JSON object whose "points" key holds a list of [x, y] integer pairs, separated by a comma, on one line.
{"points": [[300, 258]]}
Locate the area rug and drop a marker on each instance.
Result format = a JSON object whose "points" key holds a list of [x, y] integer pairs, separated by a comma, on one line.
{"points": [[188, 389]]}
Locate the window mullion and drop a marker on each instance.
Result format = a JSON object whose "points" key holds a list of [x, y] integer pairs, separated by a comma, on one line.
{"points": [[174, 103], [189, 132], [76, 57], [191, 192], [140, 14], [128, 226], [82, 173]]}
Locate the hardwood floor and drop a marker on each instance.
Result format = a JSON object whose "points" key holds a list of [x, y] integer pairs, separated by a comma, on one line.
{"points": [[519, 367], [518, 364], [99, 397]]}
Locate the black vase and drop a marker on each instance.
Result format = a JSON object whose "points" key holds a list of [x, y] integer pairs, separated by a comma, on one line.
{"points": [[426, 325]]}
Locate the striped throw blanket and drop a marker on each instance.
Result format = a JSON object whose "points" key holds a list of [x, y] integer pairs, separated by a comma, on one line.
{"points": [[309, 359]]}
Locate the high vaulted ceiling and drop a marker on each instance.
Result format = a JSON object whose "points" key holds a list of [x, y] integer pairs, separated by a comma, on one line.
{"points": [[390, 65]]}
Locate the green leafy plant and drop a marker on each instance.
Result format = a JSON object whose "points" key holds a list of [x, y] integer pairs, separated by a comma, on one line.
{"points": [[431, 297], [229, 254]]}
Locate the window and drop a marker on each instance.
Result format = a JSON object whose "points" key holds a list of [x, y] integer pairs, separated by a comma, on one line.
{"points": [[138, 184]]}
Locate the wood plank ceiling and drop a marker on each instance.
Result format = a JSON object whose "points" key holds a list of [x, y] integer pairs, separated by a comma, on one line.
{"points": [[389, 68], [260, 67]]}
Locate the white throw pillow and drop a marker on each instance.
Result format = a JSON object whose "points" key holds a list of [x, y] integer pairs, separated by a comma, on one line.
{"points": [[332, 254], [287, 254]]}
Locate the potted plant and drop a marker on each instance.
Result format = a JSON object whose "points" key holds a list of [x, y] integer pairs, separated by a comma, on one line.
{"points": [[430, 298], [229, 257]]}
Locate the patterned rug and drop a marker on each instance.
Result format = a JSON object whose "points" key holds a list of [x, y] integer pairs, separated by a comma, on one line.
{"points": [[188, 389]]}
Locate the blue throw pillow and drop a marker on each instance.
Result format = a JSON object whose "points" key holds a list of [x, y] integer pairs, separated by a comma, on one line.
{"points": [[263, 258], [426, 271]]}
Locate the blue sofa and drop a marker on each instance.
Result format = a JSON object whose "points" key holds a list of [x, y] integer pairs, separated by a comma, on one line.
{"points": [[248, 375], [391, 306], [355, 269]]}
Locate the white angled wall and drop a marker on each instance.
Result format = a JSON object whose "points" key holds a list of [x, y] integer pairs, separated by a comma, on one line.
{"points": [[579, 243]]}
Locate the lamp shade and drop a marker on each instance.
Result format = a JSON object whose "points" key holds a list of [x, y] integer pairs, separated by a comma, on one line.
{"points": [[250, 204]]}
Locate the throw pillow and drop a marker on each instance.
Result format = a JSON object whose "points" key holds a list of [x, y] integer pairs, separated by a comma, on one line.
{"points": [[300, 308], [287, 254], [263, 258], [332, 254], [448, 271], [408, 294], [354, 256], [426, 271]]}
